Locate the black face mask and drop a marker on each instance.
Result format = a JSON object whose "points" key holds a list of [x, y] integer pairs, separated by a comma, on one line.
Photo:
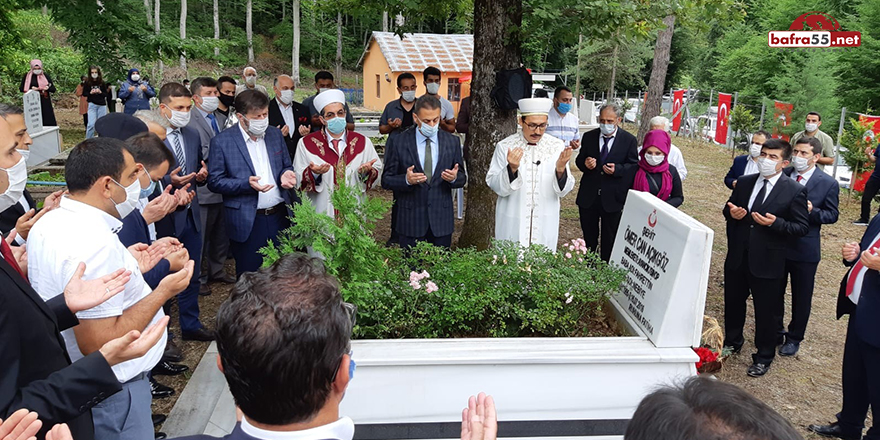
{"points": [[227, 100]]}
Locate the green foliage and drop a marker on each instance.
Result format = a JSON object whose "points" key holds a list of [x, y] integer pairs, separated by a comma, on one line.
{"points": [[742, 122], [859, 68], [857, 138], [432, 292], [46, 176]]}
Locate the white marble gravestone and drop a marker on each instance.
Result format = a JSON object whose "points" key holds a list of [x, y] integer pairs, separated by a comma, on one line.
{"points": [[33, 115], [667, 255]]}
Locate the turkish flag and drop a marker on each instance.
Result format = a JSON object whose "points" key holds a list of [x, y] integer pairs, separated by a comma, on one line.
{"points": [[781, 113], [677, 102], [868, 118], [723, 121]]}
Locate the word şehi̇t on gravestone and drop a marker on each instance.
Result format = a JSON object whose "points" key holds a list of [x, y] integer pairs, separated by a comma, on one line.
{"points": [[666, 254]]}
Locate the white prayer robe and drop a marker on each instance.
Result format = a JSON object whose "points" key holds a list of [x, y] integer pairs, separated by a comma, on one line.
{"points": [[527, 209], [316, 148]]}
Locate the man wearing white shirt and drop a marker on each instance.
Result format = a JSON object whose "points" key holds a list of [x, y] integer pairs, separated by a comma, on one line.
{"points": [[103, 181], [675, 158], [562, 123]]}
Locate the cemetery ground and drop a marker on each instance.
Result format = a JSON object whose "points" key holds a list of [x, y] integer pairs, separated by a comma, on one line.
{"points": [[805, 388]]}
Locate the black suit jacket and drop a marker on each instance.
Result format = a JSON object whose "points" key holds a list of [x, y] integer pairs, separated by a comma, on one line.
{"points": [[767, 245], [11, 214], [300, 115], [610, 190], [35, 371], [823, 192], [867, 324], [428, 204]]}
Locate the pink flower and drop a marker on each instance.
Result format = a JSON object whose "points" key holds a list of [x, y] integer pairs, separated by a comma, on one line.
{"points": [[413, 276], [424, 274], [571, 247], [568, 255], [430, 287], [415, 285], [580, 260]]}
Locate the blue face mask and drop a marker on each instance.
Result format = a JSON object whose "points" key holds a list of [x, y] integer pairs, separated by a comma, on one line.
{"points": [[336, 125], [428, 131], [564, 107], [351, 367], [148, 191]]}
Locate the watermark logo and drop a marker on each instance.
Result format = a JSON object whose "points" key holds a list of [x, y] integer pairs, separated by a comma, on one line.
{"points": [[814, 30]]}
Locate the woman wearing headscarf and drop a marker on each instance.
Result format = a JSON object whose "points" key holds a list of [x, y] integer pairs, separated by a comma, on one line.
{"points": [[136, 93], [654, 174], [83, 102], [97, 93], [37, 79]]}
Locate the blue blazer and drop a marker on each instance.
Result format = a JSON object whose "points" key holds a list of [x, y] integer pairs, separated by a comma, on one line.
{"points": [[867, 326], [230, 169], [135, 230], [176, 221], [736, 170], [822, 192], [428, 204]]}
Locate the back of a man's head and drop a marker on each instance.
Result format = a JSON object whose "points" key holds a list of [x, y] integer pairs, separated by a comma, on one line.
{"points": [[281, 337], [93, 159], [706, 409]]}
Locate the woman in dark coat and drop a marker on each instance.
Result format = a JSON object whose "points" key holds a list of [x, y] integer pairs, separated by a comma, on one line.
{"points": [[38, 80]]}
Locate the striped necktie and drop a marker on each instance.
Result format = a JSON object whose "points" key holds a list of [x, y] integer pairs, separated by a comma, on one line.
{"points": [[178, 151]]}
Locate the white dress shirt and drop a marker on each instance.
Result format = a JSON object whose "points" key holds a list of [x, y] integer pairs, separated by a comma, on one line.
{"points": [[141, 204], [805, 177], [860, 277], [342, 429], [171, 132], [771, 182], [751, 166], [435, 150], [287, 114], [54, 253], [260, 159], [611, 139]]}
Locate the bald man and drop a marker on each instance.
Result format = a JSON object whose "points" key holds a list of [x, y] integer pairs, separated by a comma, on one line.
{"points": [[289, 116]]}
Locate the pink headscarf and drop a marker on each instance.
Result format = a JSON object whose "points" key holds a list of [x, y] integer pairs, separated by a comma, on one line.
{"points": [[42, 82], [661, 140]]}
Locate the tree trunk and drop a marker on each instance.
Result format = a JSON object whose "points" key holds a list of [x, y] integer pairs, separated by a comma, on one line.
{"points": [[250, 31], [296, 30], [658, 75], [183, 35], [577, 75], [338, 48], [384, 21], [46, 11], [495, 48], [149, 9], [216, 26], [156, 20], [613, 72], [283, 11]]}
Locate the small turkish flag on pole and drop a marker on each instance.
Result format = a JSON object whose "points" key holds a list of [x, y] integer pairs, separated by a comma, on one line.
{"points": [[781, 112], [723, 121], [677, 103]]}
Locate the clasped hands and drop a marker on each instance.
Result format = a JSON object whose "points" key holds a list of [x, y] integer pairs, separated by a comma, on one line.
{"points": [[739, 213]]}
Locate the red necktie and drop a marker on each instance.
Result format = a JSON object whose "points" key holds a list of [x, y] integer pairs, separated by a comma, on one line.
{"points": [[336, 145], [799, 178], [854, 273], [6, 251]]}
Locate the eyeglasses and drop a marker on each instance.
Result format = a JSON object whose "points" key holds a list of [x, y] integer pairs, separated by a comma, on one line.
{"points": [[340, 113], [537, 126]]}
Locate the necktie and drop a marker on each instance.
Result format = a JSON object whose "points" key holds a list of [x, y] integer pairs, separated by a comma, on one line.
{"points": [[214, 123], [799, 178], [7, 255], [854, 273], [760, 199], [335, 145], [428, 166], [178, 152], [604, 154]]}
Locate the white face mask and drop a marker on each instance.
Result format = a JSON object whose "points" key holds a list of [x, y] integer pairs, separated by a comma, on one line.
{"points": [[250, 79], [17, 175], [766, 166], [178, 119], [607, 129], [755, 150], [322, 90], [286, 96], [257, 127], [135, 77], [433, 88], [409, 95], [654, 160], [24, 153], [801, 163], [811, 127], [94, 76], [38, 71], [132, 194], [210, 103]]}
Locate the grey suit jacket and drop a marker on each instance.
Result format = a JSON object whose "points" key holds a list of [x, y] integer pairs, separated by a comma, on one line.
{"points": [[206, 133]]}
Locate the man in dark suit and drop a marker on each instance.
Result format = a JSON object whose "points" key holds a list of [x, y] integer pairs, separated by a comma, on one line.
{"points": [[747, 163], [289, 116], [859, 297], [606, 155], [189, 170], [284, 346], [251, 168], [423, 166], [36, 370], [764, 214], [215, 243], [805, 252]]}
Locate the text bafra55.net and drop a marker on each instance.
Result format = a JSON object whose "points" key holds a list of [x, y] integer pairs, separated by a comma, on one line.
{"points": [[814, 39]]}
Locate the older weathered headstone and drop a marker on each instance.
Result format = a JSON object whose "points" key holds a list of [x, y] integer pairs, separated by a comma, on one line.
{"points": [[33, 113], [667, 255]]}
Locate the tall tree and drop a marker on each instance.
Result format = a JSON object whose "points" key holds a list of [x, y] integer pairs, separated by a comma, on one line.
{"points": [[496, 47], [338, 46], [249, 30], [183, 35], [149, 9], [294, 11], [160, 78], [658, 75], [216, 27]]}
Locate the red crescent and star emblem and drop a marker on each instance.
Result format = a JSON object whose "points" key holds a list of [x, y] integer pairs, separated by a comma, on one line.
{"points": [[652, 219]]}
